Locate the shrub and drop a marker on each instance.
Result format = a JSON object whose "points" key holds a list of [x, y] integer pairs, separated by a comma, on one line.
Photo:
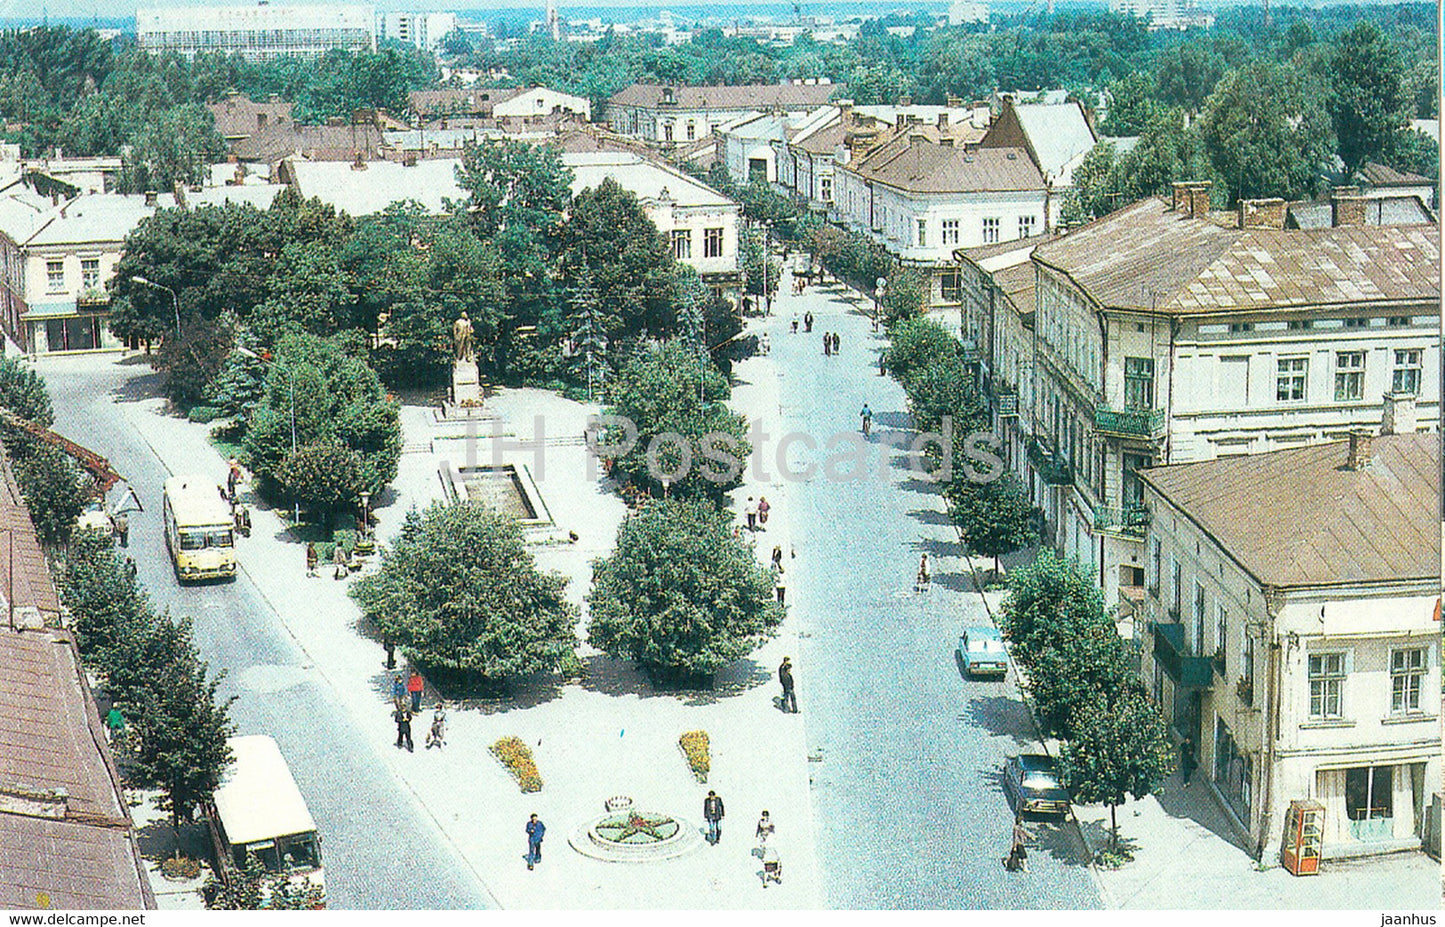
{"points": [[694, 746], [204, 415], [517, 757]]}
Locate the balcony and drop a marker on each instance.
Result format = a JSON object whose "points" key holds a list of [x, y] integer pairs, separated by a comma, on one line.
{"points": [[1170, 652], [1008, 404], [1130, 521], [1051, 466], [968, 350], [91, 297], [1129, 423]]}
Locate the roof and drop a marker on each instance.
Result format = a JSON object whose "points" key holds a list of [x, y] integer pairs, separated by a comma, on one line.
{"points": [[1298, 517], [822, 141], [329, 142], [238, 116], [647, 180], [23, 212], [30, 578], [1147, 256], [476, 101], [1058, 134], [199, 492], [96, 218], [741, 96], [1380, 175], [363, 192], [257, 798], [924, 167], [1017, 283], [1379, 210]]}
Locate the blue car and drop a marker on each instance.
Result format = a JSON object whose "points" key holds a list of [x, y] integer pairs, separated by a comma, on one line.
{"points": [[981, 652]]}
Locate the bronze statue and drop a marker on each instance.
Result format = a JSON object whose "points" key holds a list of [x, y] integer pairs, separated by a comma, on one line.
{"points": [[462, 338]]}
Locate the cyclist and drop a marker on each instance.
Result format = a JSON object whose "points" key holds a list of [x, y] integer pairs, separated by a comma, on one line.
{"points": [[867, 415]]}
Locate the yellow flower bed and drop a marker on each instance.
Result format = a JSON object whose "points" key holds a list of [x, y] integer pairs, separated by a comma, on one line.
{"points": [[517, 757], [695, 747]]}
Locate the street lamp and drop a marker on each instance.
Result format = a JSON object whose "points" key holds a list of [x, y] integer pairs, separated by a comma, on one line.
{"points": [[175, 303]]}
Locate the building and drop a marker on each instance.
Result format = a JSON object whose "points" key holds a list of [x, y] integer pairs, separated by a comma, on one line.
{"points": [[1164, 333], [1164, 14], [668, 114], [450, 104], [67, 839], [1057, 137], [421, 30], [1294, 632], [257, 32]]}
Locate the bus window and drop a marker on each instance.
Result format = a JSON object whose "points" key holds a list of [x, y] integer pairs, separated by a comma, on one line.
{"points": [[300, 854], [219, 539], [265, 852]]}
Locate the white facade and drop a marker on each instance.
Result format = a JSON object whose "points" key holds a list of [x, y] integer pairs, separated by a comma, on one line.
{"points": [[541, 101], [422, 30], [257, 32]]}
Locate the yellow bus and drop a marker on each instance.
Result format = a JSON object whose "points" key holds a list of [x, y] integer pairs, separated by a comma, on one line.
{"points": [[199, 528]]}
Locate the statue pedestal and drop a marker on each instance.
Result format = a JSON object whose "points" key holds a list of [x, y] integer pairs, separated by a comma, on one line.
{"points": [[466, 383]]}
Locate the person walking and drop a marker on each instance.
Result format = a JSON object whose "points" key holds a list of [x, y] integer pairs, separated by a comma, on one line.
{"points": [[114, 724], [795, 322], [130, 569], [763, 509], [389, 646], [765, 830], [778, 557], [780, 588], [398, 691], [536, 830], [1018, 854], [122, 529], [402, 717], [437, 736], [1188, 759], [785, 679], [808, 322], [765, 344], [835, 343], [751, 511], [712, 813], [340, 568], [827, 344], [312, 558], [415, 685], [921, 581], [232, 478]]}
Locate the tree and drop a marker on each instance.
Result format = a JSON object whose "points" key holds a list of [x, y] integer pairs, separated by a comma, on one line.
{"points": [[945, 389], [1050, 602], [23, 392], [993, 518], [55, 492], [309, 289], [1367, 99], [680, 595], [676, 399], [1186, 75], [459, 592], [252, 888], [324, 476], [906, 296], [175, 146], [914, 344], [1414, 152], [1131, 104], [1117, 750]]}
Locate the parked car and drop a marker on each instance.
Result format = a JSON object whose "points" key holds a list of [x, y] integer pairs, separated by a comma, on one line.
{"points": [[1031, 782], [981, 652]]}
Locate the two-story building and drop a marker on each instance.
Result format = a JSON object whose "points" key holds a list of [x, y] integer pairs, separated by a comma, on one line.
{"points": [[1294, 632], [1165, 334], [668, 114]]}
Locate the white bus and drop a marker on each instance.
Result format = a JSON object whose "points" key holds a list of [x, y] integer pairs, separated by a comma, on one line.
{"points": [[259, 813], [200, 530]]}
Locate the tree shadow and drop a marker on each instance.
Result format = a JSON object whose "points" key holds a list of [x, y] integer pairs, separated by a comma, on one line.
{"points": [[610, 676], [1095, 834], [730, 681], [954, 582], [158, 840], [607, 675], [999, 715], [139, 389], [900, 421], [1196, 803], [930, 517]]}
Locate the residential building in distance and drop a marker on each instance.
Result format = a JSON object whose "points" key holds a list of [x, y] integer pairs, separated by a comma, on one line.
{"points": [[1294, 631], [669, 114], [67, 839], [431, 107], [422, 30], [1164, 14], [257, 32], [1164, 333]]}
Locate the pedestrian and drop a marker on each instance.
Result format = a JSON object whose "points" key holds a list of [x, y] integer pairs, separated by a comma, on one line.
{"points": [[920, 583], [121, 522], [827, 344], [339, 562], [437, 736], [1018, 854], [808, 321], [765, 830], [795, 320], [763, 509], [778, 557], [780, 588], [232, 478], [415, 685], [312, 558], [789, 701], [389, 646], [398, 690], [536, 830], [114, 724], [765, 343], [712, 813], [1188, 759], [835, 343], [129, 569], [751, 511], [402, 717]]}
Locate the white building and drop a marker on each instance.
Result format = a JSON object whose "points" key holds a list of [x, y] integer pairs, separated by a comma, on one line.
{"points": [[1295, 633], [256, 32], [967, 11], [1057, 137], [422, 30], [671, 114]]}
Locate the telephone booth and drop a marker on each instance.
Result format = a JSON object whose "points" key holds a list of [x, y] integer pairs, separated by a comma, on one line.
{"points": [[1303, 837]]}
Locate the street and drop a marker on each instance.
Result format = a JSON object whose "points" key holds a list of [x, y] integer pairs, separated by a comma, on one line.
{"points": [[906, 753], [381, 850]]}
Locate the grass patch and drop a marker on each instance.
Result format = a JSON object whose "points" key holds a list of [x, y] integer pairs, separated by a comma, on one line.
{"points": [[1113, 859], [695, 748], [517, 757]]}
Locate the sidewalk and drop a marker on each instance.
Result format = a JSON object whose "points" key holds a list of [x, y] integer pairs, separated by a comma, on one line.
{"points": [[610, 734]]}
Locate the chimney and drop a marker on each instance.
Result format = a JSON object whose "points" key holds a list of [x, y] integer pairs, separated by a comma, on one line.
{"points": [[1399, 417], [1360, 444], [943, 120], [408, 159], [900, 120], [1199, 199], [905, 100], [946, 141], [260, 120], [1347, 207], [1261, 214], [953, 102], [151, 198], [1181, 196]]}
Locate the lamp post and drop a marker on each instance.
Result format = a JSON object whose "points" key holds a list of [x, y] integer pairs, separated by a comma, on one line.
{"points": [[175, 302]]}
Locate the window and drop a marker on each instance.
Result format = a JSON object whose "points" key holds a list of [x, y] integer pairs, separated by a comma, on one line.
{"points": [[1369, 796], [1139, 382], [667, 131], [1221, 633], [712, 243], [950, 231], [691, 130], [1240, 328], [1177, 587], [922, 233], [1356, 323], [55, 276], [1155, 557], [951, 286], [1327, 685], [1290, 379], [1349, 376], [1199, 645], [1407, 678], [682, 244], [1026, 226], [1247, 670], [1406, 378], [825, 189], [1399, 321], [990, 231], [90, 273], [1299, 325]]}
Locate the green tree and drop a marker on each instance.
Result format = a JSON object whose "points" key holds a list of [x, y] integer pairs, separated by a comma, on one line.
{"points": [[1416, 153], [310, 290], [992, 518], [1367, 98], [1049, 602], [1116, 750], [906, 296], [680, 595], [23, 392], [1131, 104], [1186, 75], [175, 146], [253, 888], [325, 476], [914, 344], [55, 492], [459, 592], [945, 388], [676, 391]]}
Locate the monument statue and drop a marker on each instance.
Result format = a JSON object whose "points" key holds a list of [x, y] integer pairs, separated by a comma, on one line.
{"points": [[462, 338]]}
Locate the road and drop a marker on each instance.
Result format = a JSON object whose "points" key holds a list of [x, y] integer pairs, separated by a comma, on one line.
{"points": [[907, 754], [380, 849]]}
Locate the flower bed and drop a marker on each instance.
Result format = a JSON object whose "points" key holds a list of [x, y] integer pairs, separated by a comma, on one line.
{"points": [[694, 746], [517, 757]]}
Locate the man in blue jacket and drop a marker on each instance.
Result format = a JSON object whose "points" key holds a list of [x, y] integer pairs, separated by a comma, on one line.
{"points": [[535, 831]]}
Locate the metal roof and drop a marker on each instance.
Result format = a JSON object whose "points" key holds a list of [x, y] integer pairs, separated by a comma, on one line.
{"points": [[1298, 517], [925, 167], [742, 96]]}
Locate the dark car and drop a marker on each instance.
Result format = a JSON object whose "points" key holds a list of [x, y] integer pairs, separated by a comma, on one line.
{"points": [[1031, 782], [981, 652]]}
